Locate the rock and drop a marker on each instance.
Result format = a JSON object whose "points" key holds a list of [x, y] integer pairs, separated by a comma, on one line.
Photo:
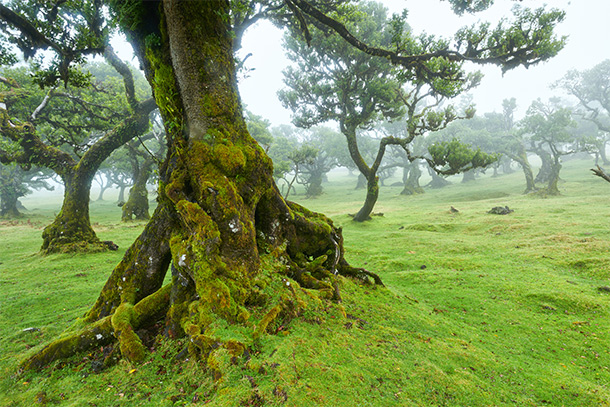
{"points": [[500, 210]]}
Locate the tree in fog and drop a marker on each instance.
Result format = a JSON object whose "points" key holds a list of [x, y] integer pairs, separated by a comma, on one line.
{"points": [[334, 81], [71, 127], [547, 127], [592, 89], [510, 142], [145, 154], [15, 183], [239, 253]]}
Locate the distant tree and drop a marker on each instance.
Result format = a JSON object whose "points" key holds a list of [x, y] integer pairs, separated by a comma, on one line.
{"points": [[16, 183], [592, 89], [328, 145], [334, 81], [547, 127], [509, 141], [72, 131], [259, 129], [144, 154]]}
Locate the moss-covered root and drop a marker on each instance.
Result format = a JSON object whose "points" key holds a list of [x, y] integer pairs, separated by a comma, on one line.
{"points": [[121, 325], [359, 274], [127, 318], [93, 336]]}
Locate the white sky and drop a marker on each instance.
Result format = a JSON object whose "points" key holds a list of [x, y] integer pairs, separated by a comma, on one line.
{"points": [[586, 24]]}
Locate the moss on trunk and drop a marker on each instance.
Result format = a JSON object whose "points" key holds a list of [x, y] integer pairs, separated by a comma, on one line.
{"points": [[71, 230], [240, 255]]}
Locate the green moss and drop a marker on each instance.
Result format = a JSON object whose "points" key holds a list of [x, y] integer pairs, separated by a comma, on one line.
{"points": [[130, 344]]}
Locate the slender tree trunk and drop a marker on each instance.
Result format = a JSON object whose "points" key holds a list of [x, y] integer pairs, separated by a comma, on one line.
{"points": [[530, 185], [137, 204], [239, 252], [122, 189], [372, 193]]}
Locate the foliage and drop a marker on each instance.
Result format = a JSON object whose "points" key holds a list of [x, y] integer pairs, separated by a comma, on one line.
{"points": [[452, 157]]}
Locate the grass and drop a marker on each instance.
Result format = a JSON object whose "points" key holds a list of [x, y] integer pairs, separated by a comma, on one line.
{"points": [[478, 309]]}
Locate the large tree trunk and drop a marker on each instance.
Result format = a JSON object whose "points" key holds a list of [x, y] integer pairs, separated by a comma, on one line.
{"points": [[314, 186], [437, 181], [522, 160], [468, 176], [71, 230], [238, 252]]}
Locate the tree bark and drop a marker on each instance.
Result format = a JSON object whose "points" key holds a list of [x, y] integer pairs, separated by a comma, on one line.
{"points": [[544, 172], [137, 203], [521, 158], [238, 251], [71, 229], [412, 186], [314, 185], [468, 176]]}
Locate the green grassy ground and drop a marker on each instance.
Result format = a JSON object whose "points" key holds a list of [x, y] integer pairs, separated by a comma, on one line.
{"points": [[478, 309]]}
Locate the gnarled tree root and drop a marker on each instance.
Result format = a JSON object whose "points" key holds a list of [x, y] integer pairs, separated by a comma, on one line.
{"points": [[119, 326]]}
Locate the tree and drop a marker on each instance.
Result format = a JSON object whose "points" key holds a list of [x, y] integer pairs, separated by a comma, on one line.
{"points": [[547, 127], [239, 252], [329, 145], [72, 131], [16, 183], [592, 89], [334, 81], [143, 162], [511, 142]]}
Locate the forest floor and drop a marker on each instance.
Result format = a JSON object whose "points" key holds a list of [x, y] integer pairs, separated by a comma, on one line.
{"points": [[478, 309]]}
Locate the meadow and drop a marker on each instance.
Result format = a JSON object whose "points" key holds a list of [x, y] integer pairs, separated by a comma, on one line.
{"points": [[477, 309]]}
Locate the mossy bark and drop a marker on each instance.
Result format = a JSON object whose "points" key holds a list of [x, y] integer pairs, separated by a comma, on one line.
{"points": [[71, 230], [552, 187], [233, 244]]}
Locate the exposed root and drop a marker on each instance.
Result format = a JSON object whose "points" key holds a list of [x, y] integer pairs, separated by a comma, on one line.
{"points": [[121, 325]]}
